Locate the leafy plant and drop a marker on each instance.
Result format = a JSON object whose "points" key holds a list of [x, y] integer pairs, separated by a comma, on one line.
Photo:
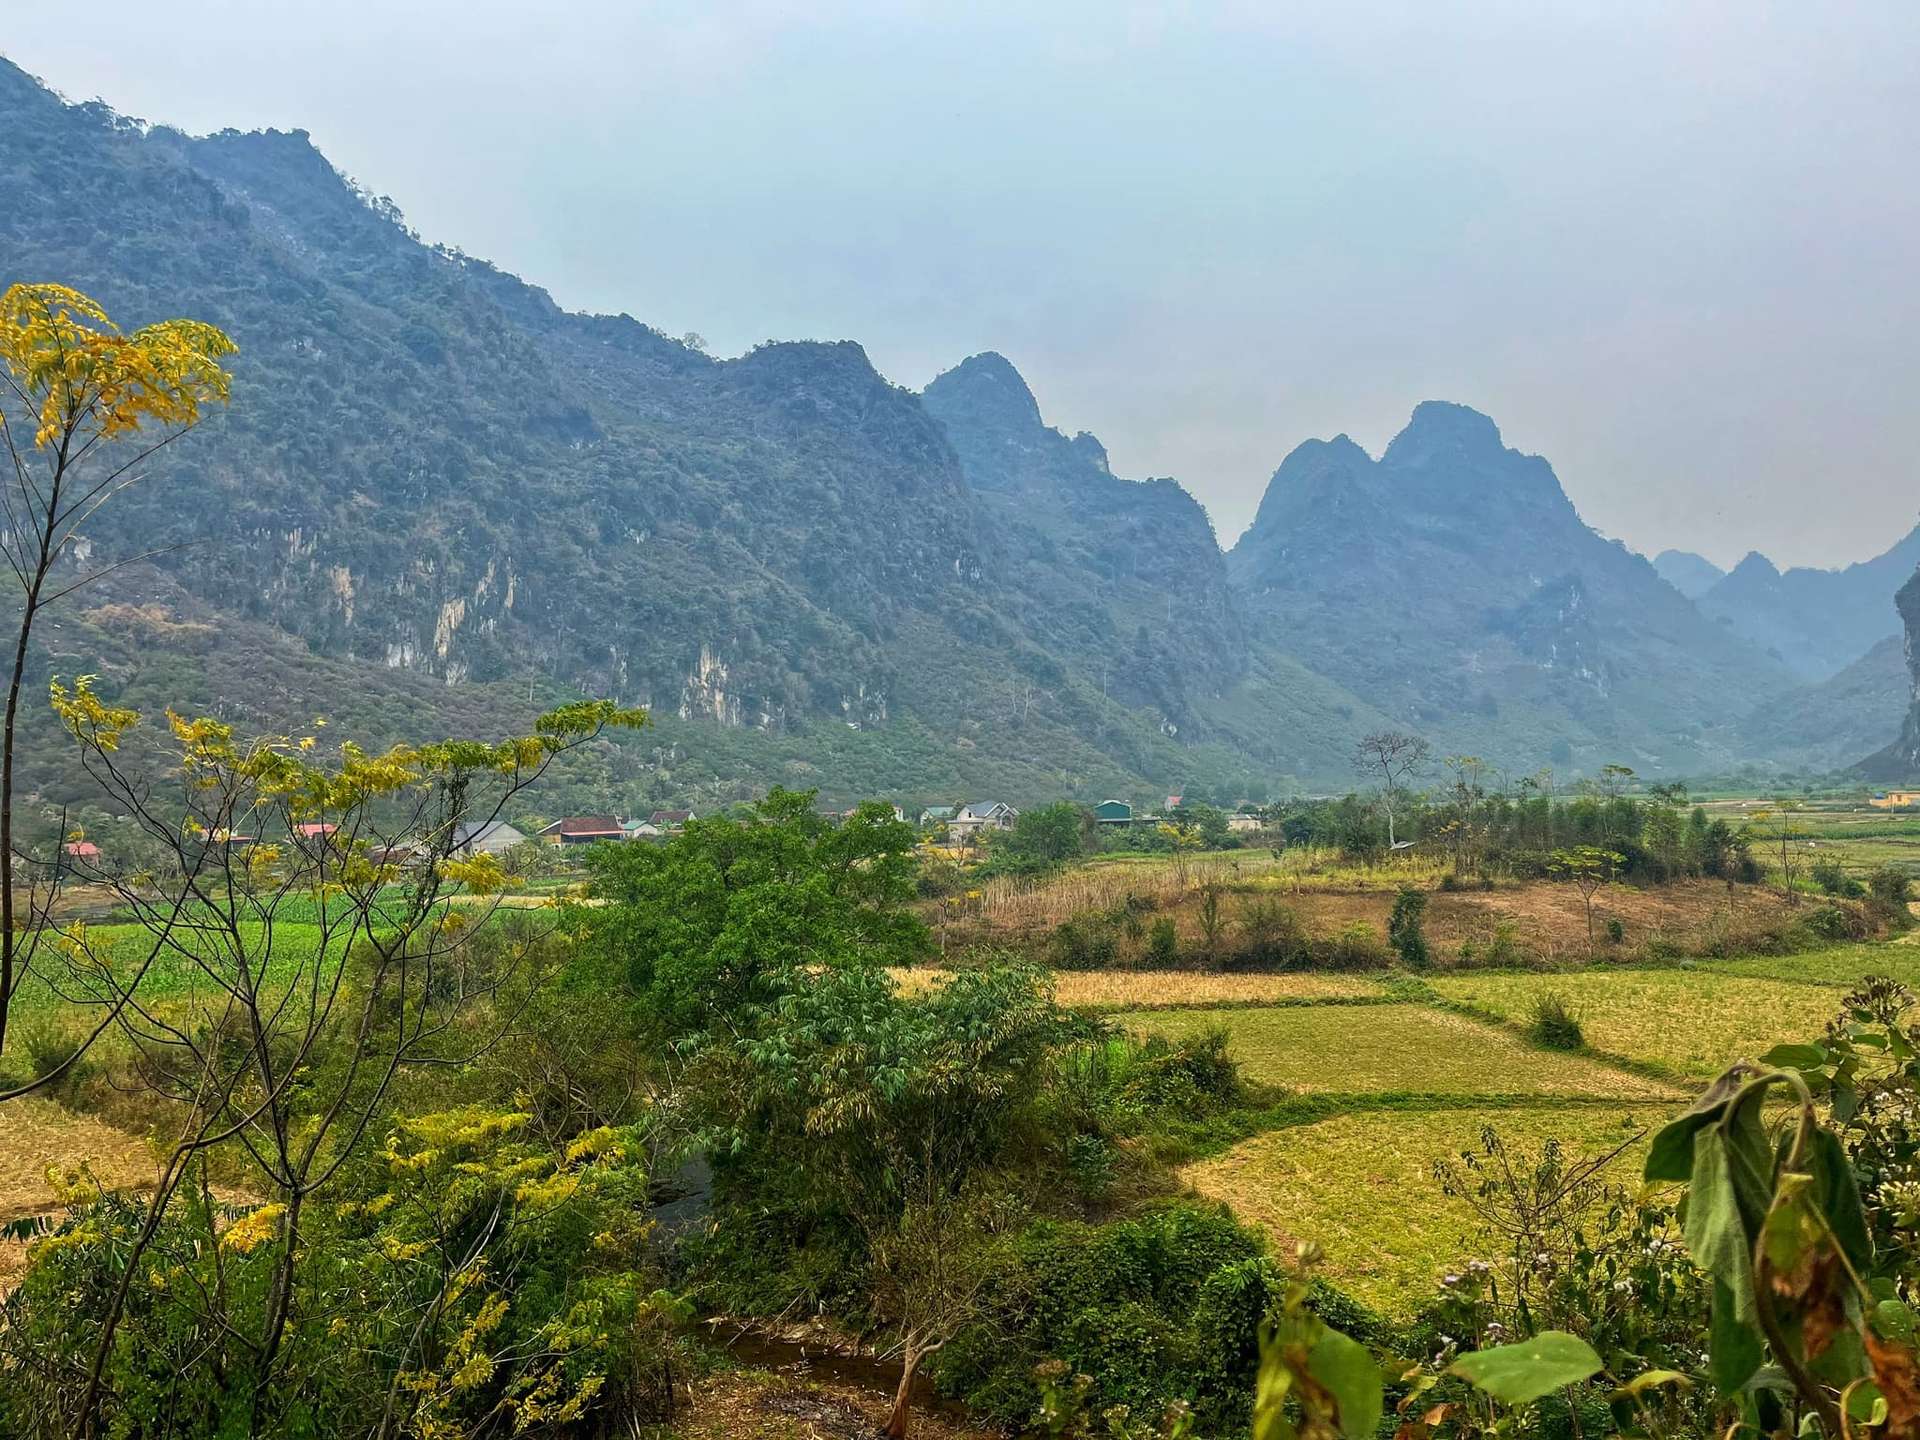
{"points": [[1553, 1023]]}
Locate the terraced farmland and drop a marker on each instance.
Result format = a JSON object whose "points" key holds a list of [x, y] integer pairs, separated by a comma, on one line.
{"points": [[1388, 1083]]}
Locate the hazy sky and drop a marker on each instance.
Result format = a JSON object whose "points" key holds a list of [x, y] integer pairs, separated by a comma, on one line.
{"points": [[1671, 247]]}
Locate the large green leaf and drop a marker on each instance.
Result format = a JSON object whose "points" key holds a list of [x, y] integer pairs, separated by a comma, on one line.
{"points": [[1734, 1348], [1347, 1371], [1715, 1233], [1518, 1374]]}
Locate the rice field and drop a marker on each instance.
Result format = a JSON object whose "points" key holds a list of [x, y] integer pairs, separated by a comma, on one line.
{"points": [[1150, 989], [1398, 1049], [1693, 1022], [1362, 1186]]}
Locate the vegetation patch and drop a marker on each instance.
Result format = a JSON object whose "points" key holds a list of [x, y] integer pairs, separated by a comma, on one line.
{"points": [[1348, 1049], [1157, 989], [1362, 1186]]}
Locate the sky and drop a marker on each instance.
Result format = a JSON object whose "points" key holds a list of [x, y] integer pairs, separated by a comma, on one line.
{"points": [[1671, 247]]}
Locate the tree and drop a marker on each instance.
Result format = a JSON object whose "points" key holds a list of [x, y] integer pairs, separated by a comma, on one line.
{"points": [[1589, 868], [1781, 817], [1045, 836], [287, 1054], [894, 1113], [81, 408], [1396, 758], [709, 931]]}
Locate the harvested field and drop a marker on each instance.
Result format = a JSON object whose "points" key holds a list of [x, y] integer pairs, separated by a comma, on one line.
{"points": [[1841, 967], [1695, 1022], [1362, 1186], [1148, 989], [1396, 1049], [36, 1134]]}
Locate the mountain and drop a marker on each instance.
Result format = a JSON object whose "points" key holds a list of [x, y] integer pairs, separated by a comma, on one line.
{"points": [[1816, 621], [1830, 724], [1692, 575], [438, 500], [430, 472], [1900, 761], [1452, 584]]}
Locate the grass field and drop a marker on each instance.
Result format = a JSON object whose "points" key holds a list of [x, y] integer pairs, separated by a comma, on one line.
{"points": [[1393, 1049], [1692, 1022], [1362, 1186], [1147, 989]]}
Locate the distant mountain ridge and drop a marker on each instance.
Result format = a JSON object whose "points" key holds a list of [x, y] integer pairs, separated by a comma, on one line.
{"points": [[1454, 575], [1692, 575], [435, 480], [1816, 621]]}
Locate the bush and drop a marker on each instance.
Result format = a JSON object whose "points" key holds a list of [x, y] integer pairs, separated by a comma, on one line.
{"points": [[1083, 943], [1837, 922], [1409, 941], [1357, 947], [1163, 945], [1162, 1307], [1833, 879], [1616, 930], [1274, 935], [1554, 1024], [1889, 896]]}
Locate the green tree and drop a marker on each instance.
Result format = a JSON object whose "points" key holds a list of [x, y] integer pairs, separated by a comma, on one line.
{"points": [[1047, 836], [709, 931]]}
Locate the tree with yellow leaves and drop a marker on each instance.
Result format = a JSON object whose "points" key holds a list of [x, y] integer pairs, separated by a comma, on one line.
{"points": [[82, 406]]}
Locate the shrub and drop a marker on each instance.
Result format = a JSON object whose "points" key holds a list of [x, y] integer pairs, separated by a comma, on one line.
{"points": [[1554, 1024], [1356, 947], [1163, 945], [1833, 879], [1083, 943], [1616, 930], [1161, 1307], [1409, 941], [1837, 922], [1274, 934], [1889, 893]]}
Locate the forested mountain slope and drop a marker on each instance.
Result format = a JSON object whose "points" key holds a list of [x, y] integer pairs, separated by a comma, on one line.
{"points": [[1452, 584]]}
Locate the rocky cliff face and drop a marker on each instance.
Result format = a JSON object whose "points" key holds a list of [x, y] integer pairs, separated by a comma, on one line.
{"points": [[1907, 750]]}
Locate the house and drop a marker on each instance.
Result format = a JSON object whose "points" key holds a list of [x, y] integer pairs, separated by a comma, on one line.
{"points": [[980, 815], [1896, 799], [582, 830], [1242, 823], [81, 850], [315, 830], [492, 837], [1174, 802], [666, 821], [641, 830], [936, 815], [1113, 812]]}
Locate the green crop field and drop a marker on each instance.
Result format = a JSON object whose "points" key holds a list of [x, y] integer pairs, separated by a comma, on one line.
{"points": [[1393, 1049], [1690, 1021], [1362, 1186]]}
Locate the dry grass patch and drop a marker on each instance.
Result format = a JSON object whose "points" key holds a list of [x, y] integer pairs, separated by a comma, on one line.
{"points": [[1392, 1049], [758, 1405], [1841, 967], [1697, 1022], [1145, 989], [38, 1134], [1362, 1186]]}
